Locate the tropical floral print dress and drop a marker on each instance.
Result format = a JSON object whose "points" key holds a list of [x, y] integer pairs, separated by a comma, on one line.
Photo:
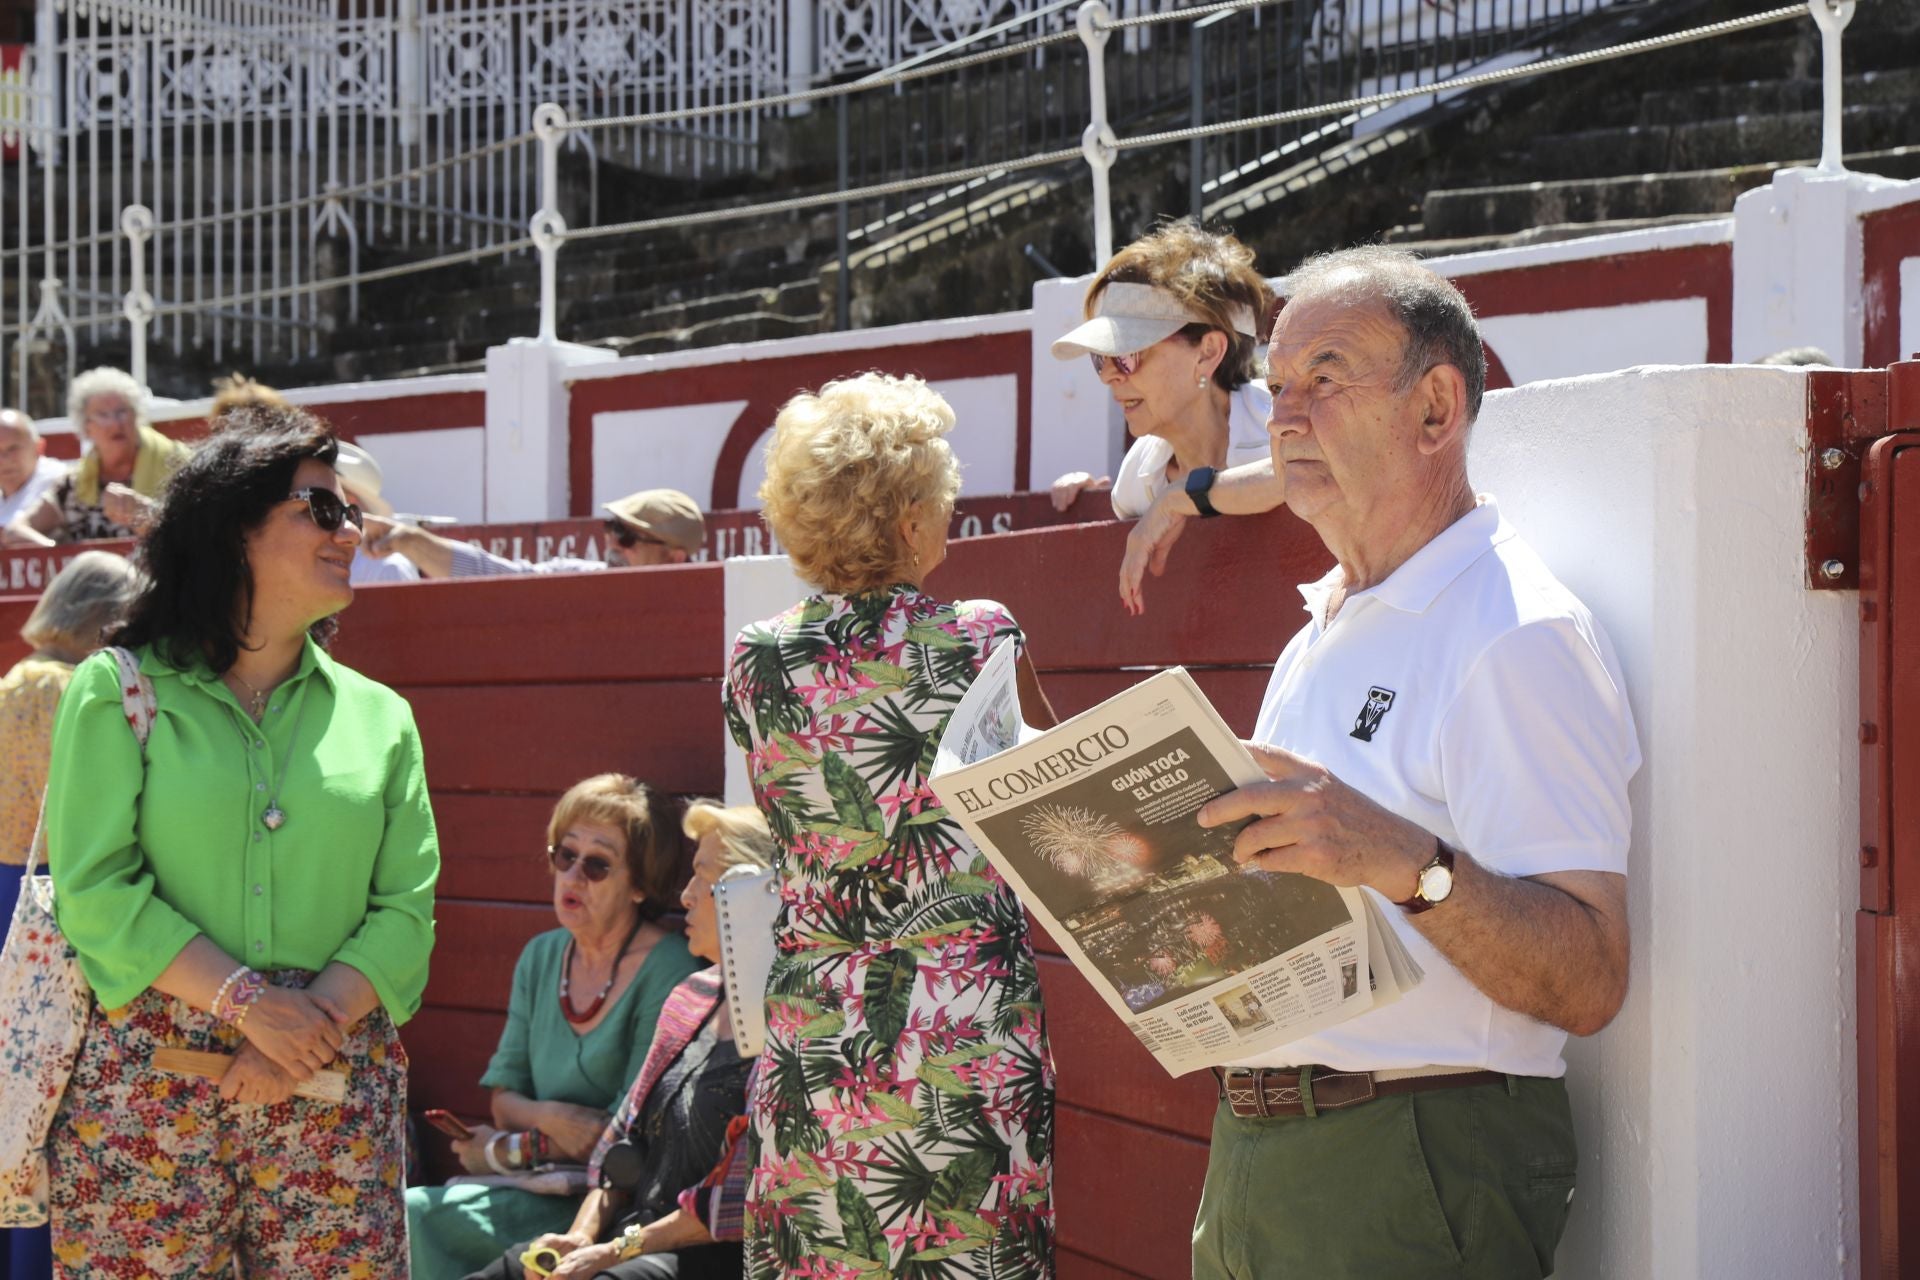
{"points": [[903, 1116]]}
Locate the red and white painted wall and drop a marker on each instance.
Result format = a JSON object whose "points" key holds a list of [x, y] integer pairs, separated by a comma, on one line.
{"points": [[547, 433]]}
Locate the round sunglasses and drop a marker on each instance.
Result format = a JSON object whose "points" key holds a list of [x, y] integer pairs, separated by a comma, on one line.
{"points": [[327, 510], [594, 867]]}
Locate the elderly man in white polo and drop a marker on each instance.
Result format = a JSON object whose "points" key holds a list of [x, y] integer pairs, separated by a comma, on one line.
{"points": [[1449, 731], [652, 527]]}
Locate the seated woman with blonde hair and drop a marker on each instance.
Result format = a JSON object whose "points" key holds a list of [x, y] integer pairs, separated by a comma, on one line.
{"points": [[894, 932], [586, 997], [1172, 328]]}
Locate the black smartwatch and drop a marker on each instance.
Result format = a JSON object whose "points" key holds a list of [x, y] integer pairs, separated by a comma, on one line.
{"points": [[1200, 490]]}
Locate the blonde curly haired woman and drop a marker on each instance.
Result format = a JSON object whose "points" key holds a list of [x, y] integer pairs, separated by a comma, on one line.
{"points": [[1172, 328], [898, 945]]}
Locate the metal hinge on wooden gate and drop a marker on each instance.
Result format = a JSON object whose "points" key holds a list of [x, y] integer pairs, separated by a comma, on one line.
{"points": [[1847, 410]]}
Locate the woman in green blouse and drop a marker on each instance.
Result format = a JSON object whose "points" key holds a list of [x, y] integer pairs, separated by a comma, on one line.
{"points": [[579, 1024], [259, 885]]}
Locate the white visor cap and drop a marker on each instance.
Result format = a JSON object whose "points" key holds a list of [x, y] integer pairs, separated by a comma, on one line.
{"points": [[1129, 318]]}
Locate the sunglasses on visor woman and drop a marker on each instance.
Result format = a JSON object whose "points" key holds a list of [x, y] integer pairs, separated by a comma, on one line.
{"points": [[327, 510]]}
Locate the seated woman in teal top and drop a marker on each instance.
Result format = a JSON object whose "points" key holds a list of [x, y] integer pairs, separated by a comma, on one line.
{"points": [[579, 1023]]}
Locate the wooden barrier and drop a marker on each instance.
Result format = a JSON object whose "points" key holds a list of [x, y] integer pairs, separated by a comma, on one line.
{"points": [[521, 686]]}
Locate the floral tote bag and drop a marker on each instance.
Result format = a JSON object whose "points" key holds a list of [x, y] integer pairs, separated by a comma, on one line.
{"points": [[44, 1004]]}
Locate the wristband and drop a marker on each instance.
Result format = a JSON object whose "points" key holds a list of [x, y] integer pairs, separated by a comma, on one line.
{"points": [[493, 1161], [1199, 488]]}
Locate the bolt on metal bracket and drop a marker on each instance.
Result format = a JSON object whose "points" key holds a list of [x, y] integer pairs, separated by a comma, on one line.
{"points": [[1847, 409]]}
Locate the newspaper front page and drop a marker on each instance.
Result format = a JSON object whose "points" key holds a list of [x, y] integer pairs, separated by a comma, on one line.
{"points": [[1093, 823]]}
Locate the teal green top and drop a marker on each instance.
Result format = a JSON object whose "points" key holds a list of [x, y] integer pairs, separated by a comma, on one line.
{"points": [[144, 858], [541, 1058]]}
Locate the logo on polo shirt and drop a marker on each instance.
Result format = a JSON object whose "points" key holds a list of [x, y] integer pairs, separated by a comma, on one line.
{"points": [[1368, 721]]}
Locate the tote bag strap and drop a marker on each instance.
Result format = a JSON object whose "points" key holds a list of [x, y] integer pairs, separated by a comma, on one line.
{"points": [[136, 694], [137, 701]]}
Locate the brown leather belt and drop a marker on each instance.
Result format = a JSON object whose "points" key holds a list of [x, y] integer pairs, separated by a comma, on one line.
{"points": [[1265, 1092]]}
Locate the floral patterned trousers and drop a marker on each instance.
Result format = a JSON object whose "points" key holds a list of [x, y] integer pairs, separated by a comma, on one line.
{"points": [[154, 1176]]}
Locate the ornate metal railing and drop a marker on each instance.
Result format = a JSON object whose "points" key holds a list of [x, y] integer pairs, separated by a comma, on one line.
{"points": [[258, 146]]}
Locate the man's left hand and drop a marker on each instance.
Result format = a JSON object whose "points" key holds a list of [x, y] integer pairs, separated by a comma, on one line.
{"points": [[1311, 822]]}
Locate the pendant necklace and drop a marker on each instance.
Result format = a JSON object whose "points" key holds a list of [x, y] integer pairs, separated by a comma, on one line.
{"points": [[275, 817], [566, 963], [256, 698]]}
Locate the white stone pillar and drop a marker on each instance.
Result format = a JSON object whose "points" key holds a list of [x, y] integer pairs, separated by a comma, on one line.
{"points": [[526, 435], [1797, 268]]}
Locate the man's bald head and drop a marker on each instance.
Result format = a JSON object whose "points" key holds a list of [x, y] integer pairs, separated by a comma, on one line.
{"points": [[1439, 325], [20, 449]]}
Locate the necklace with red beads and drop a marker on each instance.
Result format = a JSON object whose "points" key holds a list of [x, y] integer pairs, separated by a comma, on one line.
{"points": [[592, 1011]]}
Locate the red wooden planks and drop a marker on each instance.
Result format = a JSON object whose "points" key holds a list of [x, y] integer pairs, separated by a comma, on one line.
{"points": [[449, 1049], [494, 846], [1125, 1195], [1102, 1068], [546, 737], [627, 624], [1227, 599], [476, 945]]}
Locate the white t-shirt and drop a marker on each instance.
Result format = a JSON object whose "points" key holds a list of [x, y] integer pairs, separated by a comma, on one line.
{"points": [[46, 474], [1143, 472], [1506, 732]]}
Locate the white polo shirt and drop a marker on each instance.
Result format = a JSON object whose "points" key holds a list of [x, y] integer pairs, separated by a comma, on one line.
{"points": [[1473, 694]]}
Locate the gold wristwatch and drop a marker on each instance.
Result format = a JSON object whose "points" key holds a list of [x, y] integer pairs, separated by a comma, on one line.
{"points": [[632, 1242]]}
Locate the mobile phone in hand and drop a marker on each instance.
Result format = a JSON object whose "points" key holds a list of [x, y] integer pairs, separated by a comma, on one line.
{"points": [[448, 1123]]}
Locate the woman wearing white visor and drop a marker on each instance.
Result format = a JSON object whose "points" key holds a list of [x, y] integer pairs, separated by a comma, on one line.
{"points": [[1172, 331]]}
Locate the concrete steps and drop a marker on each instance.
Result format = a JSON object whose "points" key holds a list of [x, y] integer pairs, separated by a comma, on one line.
{"points": [[1479, 212]]}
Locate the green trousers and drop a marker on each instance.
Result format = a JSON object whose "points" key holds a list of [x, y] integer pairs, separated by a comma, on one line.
{"points": [[1464, 1184]]}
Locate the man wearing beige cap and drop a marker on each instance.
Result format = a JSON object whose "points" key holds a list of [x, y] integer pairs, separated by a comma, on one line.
{"points": [[652, 527]]}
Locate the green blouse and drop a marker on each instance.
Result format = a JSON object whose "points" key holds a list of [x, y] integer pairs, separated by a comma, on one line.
{"points": [[541, 1058], [145, 857]]}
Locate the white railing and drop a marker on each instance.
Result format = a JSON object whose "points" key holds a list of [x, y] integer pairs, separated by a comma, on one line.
{"points": [[276, 144], [463, 236]]}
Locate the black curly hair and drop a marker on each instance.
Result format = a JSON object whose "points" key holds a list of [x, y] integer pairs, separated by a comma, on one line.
{"points": [[197, 597]]}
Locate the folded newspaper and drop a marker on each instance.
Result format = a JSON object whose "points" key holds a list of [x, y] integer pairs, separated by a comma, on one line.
{"points": [[1093, 824]]}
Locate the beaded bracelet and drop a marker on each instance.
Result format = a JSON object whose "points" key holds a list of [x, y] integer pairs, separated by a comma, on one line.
{"points": [[233, 1001]]}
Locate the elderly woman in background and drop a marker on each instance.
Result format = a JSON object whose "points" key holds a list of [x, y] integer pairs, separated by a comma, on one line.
{"points": [[585, 1000], [112, 493], [671, 1165], [258, 882], [898, 943], [82, 601], [1171, 329]]}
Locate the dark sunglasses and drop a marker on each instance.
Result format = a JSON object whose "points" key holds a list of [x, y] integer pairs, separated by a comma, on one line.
{"points": [[1125, 366], [327, 510], [592, 866], [628, 536]]}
